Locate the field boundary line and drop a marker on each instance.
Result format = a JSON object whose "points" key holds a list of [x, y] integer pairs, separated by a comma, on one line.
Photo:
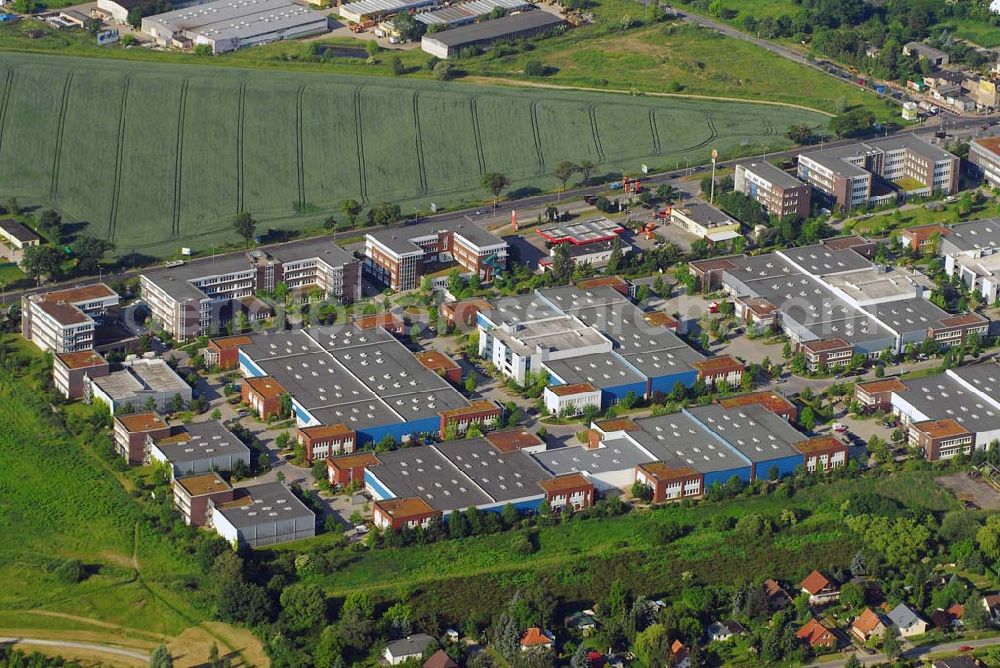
{"points": [[513, 83], [421, 167], [57, 155], [359, 138], [7, 89], [300, 147], [179, 159], [533, 110], [656, 133], [119, 158], [241, 108], [477, 132], [592, 111]]}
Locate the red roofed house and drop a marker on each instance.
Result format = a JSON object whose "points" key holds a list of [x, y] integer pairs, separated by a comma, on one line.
{"points": [[869, 624], [535, 638], [817, 636], [484, 413], [680, 656], [440, 364], [130, 433], [770, 400], [347, 469], [954, 330], [572, 490], [876, 395], [326, 440], [224, 352], [69, 370], [670, 483], [822, 453], [723, 368], [406, 513], [440, 659], [941, 439], [826, 352], [820, 589], [263, 395], [390, 322]]}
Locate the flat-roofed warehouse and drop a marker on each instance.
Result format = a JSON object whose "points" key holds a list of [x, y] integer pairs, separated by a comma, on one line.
{"points": [[227, 25], [447, 43], [373, 10]]}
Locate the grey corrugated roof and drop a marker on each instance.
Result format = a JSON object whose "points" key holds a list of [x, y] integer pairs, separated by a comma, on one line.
{"points": [[495, 29]]}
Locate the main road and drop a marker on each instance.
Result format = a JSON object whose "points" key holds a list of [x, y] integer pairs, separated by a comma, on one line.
{"points": [[485, 217], [913, 653]]}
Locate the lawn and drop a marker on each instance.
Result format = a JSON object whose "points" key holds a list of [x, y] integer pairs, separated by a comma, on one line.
{"points": [[983, 34], [579, 557], [58, 502], [157, 156]]}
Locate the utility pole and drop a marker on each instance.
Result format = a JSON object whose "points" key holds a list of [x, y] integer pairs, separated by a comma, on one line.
{"points": [[715, 155]]}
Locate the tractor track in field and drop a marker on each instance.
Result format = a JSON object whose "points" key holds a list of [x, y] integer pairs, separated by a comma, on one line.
{"points": [[768, 128], [592, 111], [119, 159], [713, 134], [480, 152], [421, 167], [300, 156], [4, 102], [533, 110], [241, 111], [359, 138], [57, 155], [657, 150], [175, 225]]}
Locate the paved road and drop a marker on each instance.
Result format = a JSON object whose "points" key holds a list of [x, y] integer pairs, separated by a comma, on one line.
{"points": [[70, 644], [486, 217], [914, 652]]}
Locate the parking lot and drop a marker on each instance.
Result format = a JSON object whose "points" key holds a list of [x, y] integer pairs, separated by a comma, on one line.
{"points": [[971, 489]]}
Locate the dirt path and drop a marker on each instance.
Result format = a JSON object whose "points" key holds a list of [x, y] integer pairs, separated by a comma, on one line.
{"points": [[139, 656], [493, 81]]}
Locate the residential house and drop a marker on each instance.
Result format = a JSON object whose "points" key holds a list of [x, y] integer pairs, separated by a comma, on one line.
{"points": [[961, 661], [777, 597], [440, 659], [724, 630], [817, 635], [992, 604], [869, 624], [907, 622], [820, 589], [582, 621], [537, 638], [410, 647], [681, 656]]}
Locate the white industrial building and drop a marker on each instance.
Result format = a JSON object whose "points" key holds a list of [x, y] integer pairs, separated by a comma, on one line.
{"points": [[227, 25], [139, 381], [199, 447], [261, 515], [373, 10]]}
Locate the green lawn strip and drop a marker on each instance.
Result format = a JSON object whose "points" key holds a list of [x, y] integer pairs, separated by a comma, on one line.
{"points": [[569, 543]]}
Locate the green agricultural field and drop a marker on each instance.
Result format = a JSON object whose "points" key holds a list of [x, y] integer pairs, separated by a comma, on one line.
{"points": [[57, 502], [159, 156]]}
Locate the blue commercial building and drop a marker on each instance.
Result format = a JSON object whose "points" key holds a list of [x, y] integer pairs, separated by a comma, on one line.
{"points": [[363, 379]]}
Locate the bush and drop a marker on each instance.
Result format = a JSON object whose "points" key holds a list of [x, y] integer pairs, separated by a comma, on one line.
{"points": [[444, 71], [522, 544], [70, 571]]}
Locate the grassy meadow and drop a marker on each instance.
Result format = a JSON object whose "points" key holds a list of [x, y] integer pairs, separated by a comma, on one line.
{"points": [[158, 156], [58, 502]]}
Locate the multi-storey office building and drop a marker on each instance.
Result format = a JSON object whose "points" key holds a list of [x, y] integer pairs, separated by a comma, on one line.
{"points": [[64, 321], [398, 257], [780, 193], [197, 298], [984, 156], [880, 171]]}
